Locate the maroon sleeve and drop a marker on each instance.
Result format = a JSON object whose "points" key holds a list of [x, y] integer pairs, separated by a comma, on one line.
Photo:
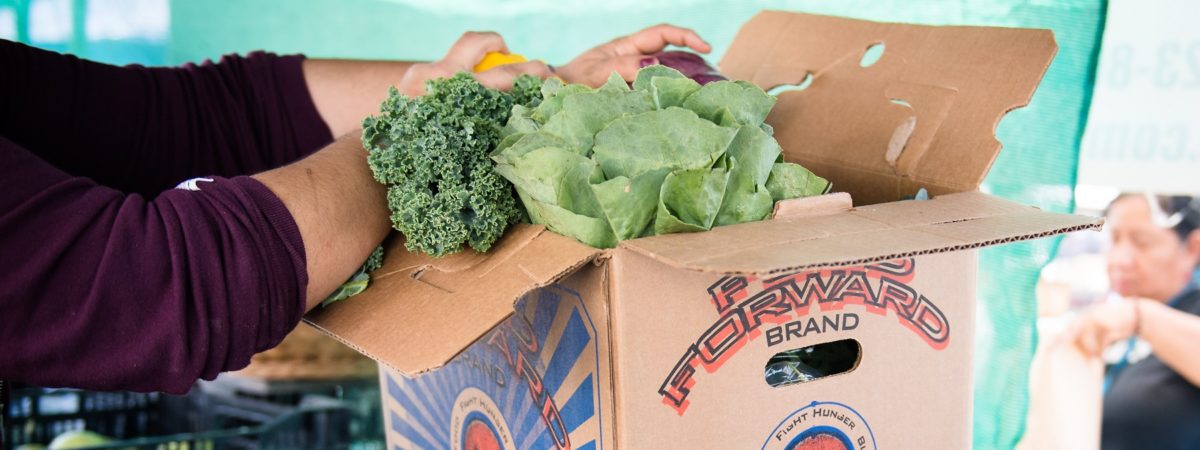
{"points": [[106, 290], [142, 130]]}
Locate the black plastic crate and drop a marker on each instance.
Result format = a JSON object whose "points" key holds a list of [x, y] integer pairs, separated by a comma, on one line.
{"points": [[36, 415], [360, 395], [201, 420]]}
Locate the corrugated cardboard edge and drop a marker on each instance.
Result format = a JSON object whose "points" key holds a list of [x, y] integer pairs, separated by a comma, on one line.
{"points": [[932, 250], [607, 281], [520, 254], [1000, 239], [882, 257], [567, 271]]}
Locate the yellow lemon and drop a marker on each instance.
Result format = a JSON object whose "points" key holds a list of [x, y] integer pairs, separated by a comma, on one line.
{"points": [[494, 59]]}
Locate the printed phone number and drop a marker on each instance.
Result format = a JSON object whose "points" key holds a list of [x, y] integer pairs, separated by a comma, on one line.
{"points": [[1142, 142], [1171, 65]]}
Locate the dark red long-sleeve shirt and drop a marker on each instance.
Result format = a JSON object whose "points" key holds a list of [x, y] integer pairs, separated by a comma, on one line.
{"points": [[109, 277]]}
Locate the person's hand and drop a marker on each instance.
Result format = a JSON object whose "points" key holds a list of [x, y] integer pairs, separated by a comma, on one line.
{"points": [[462, 57], [1104, 324], [626, 54]]}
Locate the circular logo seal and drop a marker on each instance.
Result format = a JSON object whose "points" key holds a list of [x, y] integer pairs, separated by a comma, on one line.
{"points": [[476, 423], [822, 426]]}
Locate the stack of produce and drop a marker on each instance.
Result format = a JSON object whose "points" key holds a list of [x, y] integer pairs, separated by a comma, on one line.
{"points": [[666, 154]]}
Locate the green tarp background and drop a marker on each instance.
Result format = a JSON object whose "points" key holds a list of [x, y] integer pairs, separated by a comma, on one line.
{"points": [[1037, 165]]}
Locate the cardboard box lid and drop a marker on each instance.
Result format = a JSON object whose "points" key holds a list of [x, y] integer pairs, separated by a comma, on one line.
{"points": [[923, 115], [859, 236], [421, 311]]}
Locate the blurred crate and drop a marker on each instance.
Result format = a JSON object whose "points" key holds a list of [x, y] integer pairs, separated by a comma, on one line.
{"points": [[360, 395], [35, 415], [308, 392], [206, 419]]}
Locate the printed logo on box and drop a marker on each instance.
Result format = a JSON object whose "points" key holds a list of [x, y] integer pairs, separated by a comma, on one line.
{"points": [[822, 426], [782, 309], [532, 382], [476, 423]]}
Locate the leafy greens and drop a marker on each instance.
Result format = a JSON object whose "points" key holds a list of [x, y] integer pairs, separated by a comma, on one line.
{"points": [[665, 156]]}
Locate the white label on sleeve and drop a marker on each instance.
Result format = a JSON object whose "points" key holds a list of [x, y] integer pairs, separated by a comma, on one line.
{"points": [[193, 184]]}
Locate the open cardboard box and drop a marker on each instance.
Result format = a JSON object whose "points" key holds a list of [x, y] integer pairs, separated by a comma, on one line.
{"points": [[663, 341]]}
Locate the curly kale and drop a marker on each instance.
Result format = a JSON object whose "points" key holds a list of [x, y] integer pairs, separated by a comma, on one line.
{"points": [[432, 154], [527, 91]]}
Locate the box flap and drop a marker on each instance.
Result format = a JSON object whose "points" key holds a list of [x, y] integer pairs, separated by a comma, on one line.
{"points": [[421, 311], [862, 235], [923, 115]]}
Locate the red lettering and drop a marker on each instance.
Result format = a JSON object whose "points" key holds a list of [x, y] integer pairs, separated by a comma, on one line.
{"points": [[817, 289], [856, 290], [792, 296], [900, 269], [526, 370], [519, 361], [678, 384], [722, 340], [896, 296], [554, 423], [771, 303], [498, 340], [523, 332], [932, 323], [727, 291]]}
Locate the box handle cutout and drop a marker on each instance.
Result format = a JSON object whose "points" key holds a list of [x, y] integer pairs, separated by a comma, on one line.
{"points": [[802, 85], [805, 364], [872, 55]]}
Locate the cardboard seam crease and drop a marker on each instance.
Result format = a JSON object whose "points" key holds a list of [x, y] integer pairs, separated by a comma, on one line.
{"points": [[607, 281], [963, 245], [493, 260], [858, 261]]}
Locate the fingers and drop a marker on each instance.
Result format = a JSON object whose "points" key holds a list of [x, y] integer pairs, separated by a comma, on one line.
{"points": [[1093, 332], [471, 47], [1085, 341], [412, 83], [626, 65], [1082, 337], [501, 77], [658, 37]]}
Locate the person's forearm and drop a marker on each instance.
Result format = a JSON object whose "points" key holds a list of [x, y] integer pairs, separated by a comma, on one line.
{"points": [[112, 291], [346, 91], [338, 206], [145, 129], [1173, 334]]}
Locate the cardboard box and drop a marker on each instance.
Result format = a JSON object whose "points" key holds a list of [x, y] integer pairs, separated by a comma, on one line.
{"points": [[663, 342]]}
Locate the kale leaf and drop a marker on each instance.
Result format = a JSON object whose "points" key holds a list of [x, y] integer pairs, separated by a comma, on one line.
{"points": [[432, 154]]}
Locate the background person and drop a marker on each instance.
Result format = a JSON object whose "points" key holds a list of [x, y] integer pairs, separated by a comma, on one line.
{"points": [[1155, 402]]}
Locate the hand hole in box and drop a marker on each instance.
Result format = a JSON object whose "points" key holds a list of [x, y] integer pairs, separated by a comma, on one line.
{"points": [[872, 55], [900, 135], [805, 364], [802, 85]]}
